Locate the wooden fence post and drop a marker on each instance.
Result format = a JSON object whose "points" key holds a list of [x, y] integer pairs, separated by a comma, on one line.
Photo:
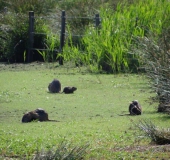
{"points": [[31, 36], [97, 20], [62, 36]]}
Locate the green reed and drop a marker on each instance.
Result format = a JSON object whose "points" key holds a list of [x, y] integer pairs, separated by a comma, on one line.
{"points": [[109, 46]]}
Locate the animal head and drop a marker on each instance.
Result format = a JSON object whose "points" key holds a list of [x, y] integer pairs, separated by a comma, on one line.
{"points": [[40, 110], [74, 88], [135, 102]]}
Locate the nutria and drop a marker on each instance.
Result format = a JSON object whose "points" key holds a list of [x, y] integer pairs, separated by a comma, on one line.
{"points": [[68, 90], [29, 116], [135, 108], [38, 114], [54, 86]]}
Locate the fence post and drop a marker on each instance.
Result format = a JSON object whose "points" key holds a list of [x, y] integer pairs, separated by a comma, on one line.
{"points": [[97, 20], [31, 35], [62, 36]]}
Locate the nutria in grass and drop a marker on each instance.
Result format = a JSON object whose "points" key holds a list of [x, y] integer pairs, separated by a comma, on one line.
{"points": [[68, 90], [135, 108], [38, 114], [54, 86]]}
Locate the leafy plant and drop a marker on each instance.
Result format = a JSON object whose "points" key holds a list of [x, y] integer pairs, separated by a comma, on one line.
{"points": [[107, 47], [157, 135], [24, 55], [63, 152], [43, 54], [110, 47], [14, 27], [52, 44], [23, 6], [154, 52]]}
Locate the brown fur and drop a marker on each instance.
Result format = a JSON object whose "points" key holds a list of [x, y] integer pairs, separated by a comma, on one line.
{"points": [[38, 114], [68, 90], [54, 86], [135, 108]]}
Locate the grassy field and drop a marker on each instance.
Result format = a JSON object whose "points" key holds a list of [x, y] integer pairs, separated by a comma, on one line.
{"points": [[89, 116]]}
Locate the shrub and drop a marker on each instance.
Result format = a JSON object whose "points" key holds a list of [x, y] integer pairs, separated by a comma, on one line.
{"points": [[78, 12], [51, 43], [14, 31], [113, 47], [23, 6], [157, 135], [155, 53], [62, 153], [14, 28], [106, 48]]}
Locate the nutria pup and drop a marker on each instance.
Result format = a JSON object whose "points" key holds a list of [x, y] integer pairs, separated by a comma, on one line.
{"points": [[68, 90], [135, 108], [54, 86], [38, 114]]}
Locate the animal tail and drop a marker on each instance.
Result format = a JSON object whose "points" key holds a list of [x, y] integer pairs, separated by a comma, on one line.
{"points": [[123, 114], [53, 120]]}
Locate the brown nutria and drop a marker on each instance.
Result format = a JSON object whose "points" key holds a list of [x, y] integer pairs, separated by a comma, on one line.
{"points": [[29, 116], [54, 86], [68, 90], [38, 114], [135, 108]]}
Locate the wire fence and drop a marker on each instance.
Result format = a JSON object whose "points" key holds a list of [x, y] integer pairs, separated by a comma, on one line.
{"points": [[59, 23]]}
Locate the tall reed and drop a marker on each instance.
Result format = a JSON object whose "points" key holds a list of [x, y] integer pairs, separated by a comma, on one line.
{"points": [[109, 47]]}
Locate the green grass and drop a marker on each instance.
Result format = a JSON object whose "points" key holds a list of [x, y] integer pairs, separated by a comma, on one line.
{"points": [[89, 116]]}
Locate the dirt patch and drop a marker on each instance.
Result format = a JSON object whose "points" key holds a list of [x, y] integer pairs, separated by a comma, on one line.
{"points": [[152, 148], [4, 66]]}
